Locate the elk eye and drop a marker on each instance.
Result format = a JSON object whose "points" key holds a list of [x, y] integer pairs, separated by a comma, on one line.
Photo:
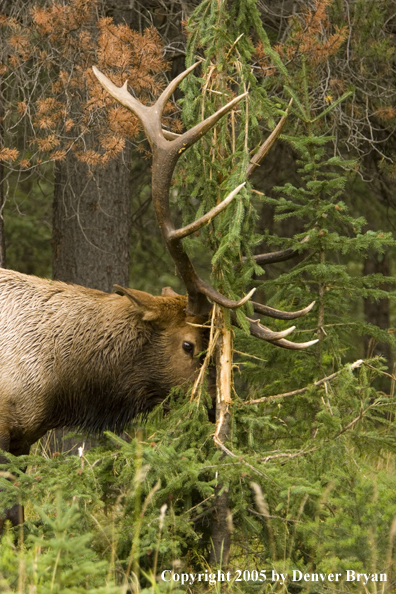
{"points": [[188, 347]]}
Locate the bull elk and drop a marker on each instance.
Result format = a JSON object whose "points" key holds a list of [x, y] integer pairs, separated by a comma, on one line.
{"points": [[77, 357]]}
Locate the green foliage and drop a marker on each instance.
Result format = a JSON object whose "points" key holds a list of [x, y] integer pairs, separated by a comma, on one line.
{"points": [[332, 237], [57, 560], [309, 483]]}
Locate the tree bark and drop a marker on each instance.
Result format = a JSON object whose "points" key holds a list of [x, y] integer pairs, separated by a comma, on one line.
{"points": [[92, 223]]}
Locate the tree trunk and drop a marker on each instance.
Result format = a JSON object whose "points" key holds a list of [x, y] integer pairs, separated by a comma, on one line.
{"points": [[377, 312], [92, 222]]}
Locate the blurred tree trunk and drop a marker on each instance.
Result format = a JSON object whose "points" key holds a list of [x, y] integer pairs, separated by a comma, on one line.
{"points": [[92, 222], [3, 263], [377, 312]]}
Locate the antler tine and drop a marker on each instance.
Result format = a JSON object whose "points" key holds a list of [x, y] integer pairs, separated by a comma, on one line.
{"points": [[273, 257], [217, 297], [168, 135], [121, 94], [195, 133], [206, 218], [266, 333], [281, 315], [172, 86], [268, 143], [280, 256], [260, 331], [294, 346]]}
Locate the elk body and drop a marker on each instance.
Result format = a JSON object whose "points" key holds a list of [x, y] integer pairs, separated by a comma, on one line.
{"points": [[77, 357]]}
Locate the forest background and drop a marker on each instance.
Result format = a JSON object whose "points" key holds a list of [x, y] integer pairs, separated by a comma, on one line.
{"points": [[307, 478]]}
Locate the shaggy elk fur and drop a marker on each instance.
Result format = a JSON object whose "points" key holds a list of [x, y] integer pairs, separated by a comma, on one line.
{"points": [[77, 357]]}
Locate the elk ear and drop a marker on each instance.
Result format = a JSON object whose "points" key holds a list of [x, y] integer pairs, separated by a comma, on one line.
{"points": [[147, 305], [169, 292]]}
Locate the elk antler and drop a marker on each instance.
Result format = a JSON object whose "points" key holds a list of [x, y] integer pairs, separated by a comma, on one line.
{"points": [[165, 156], [166, 149]]}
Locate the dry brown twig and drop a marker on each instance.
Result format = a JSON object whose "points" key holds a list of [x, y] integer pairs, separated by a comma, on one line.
{"points": [[352, 366]]}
